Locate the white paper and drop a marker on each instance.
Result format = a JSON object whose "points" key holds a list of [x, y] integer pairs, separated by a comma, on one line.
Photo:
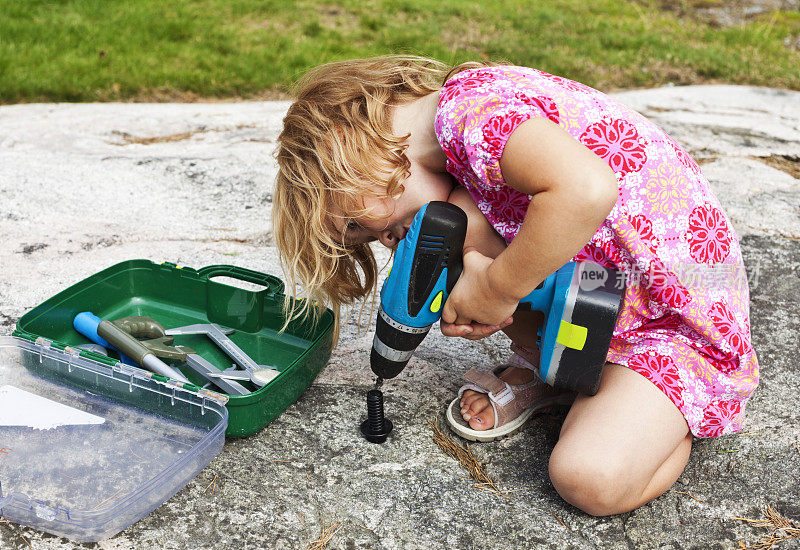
{"points": [[21, 408]]}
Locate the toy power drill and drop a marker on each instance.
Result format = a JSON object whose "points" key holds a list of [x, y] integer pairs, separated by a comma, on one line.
{"points": [[580, 303]]}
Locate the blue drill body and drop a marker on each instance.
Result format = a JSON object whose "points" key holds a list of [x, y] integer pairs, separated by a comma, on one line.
{"points": [[427, 264]]}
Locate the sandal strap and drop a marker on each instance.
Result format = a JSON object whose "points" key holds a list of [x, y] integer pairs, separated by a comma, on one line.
{"points": [[507, 404], [499, 391], [501, 395]]}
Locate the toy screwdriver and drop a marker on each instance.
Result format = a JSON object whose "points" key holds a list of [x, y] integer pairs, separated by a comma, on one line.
{"points": [[109, 335]]}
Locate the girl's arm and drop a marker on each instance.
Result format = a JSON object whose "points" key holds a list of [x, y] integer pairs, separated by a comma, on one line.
{"points": [[573, 191]]}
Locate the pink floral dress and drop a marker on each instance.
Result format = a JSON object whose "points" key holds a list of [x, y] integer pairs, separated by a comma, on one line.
{"points": [[684, 323]]}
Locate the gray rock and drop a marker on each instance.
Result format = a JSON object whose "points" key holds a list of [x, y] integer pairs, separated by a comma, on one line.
{"points": [[85, 186]]}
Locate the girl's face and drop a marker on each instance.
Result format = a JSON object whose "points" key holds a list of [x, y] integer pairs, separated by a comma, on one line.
{"points": [[386, 219]]}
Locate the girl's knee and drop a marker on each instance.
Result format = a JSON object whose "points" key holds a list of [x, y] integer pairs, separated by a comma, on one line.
{"points": [[599, 485]]}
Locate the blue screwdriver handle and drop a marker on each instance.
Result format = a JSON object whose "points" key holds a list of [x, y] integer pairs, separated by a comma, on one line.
{"points": [[86, 323]]}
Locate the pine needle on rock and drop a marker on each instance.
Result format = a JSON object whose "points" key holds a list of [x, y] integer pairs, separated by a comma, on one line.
{"points": [[464, 455], [687, 494], [325, 536], [781, 529]]}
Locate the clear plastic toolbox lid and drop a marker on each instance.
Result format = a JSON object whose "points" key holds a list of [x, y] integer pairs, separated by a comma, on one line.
{"points": [[87, 449]]}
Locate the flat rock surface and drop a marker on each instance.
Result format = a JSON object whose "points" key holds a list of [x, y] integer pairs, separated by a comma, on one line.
{"points": [[85, 186]]}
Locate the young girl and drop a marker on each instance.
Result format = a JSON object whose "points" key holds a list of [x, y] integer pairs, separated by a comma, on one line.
{"points": [[548, 171]]}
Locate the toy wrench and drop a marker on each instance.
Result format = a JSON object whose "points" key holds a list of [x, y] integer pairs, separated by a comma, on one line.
{"points": [[160, 345], [259, 375]]}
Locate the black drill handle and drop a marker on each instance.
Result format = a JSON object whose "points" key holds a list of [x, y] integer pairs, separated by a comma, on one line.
{"points": [[456, 223], [455, 267], [439, 245]]}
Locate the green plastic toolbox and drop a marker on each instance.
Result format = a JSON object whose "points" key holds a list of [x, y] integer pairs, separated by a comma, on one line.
{"points": [[90, 445], [179, 296]]}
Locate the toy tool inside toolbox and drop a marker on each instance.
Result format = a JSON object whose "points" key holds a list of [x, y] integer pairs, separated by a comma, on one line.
{"points": [[102, 443]]}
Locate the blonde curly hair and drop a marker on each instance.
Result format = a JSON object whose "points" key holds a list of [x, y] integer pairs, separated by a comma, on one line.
{"points": [[336, 147]]}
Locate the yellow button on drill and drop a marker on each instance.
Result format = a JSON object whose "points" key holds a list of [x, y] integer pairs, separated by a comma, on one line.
{"points": [[437, 303], [571, 336]]}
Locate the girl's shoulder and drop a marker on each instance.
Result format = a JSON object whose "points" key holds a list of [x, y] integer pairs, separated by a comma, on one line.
{"points": [[507, 81], [506, 95]]}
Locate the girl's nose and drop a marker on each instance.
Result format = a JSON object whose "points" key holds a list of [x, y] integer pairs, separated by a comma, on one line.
{"points": [[387, 239]]}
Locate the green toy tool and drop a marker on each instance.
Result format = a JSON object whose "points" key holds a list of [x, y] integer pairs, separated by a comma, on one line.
{"points": [[109, 335]]}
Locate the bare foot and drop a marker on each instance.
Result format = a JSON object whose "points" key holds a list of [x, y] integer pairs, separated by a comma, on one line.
{"points": [[476, 409]]}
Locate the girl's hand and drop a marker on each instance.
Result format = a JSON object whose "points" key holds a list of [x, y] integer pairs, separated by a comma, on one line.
{"points": [[473, 331], [475, 309]]}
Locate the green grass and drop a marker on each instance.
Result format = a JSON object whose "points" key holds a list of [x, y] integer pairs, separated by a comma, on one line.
{"points": [[99, 50]]}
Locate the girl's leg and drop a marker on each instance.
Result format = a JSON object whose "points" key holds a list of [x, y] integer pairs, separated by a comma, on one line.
{"points": [[620, 448]]}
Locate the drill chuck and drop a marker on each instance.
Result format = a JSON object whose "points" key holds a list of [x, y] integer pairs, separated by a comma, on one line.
{"points": [[393, 345]]}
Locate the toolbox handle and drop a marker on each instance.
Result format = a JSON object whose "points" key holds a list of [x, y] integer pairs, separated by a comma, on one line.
{"points": [[272, 283]]}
